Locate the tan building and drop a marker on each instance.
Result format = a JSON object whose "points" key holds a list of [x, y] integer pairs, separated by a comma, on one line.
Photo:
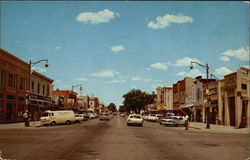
{"points": [[182, 94], [14, 75], [235, 100], [164, 98], [94, 103], [41, 88]]}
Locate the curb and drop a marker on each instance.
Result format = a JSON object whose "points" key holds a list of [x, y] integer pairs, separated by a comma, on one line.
{"points": [[194, 127]]}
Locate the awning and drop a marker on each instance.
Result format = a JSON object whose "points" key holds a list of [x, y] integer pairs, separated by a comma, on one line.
{"points": [[187, 106]]}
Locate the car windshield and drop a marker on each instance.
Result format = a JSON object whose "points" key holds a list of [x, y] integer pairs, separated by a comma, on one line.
{"points": [[45, 114]]}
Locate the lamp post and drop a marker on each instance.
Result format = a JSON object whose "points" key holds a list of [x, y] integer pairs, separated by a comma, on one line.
{"points": [[207, 72], [77, 86], [29, 89]]}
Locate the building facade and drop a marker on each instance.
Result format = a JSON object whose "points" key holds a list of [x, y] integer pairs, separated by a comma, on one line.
{"points": [[164, 98], [41, 89], [94, 103], [69, 97], [14, 74]]}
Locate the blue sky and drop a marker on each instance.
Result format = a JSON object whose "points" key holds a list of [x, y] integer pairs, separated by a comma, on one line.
{"points": [[112, 47]]}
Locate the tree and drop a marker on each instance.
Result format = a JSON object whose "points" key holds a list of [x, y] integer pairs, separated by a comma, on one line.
{"points": [[112, 107], [136, 100], [122, 108]]}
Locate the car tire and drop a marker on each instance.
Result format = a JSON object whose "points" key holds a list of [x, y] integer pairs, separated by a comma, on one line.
{"points": [[68, 122], [53, 123], [160, 123], [128, 124]]}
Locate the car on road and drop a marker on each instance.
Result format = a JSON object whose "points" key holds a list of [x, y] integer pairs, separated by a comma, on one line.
{"points": [[173, 120], [79, 117], [57, 117], [122, 114], [104, 116], [152, 118], [135, 119]]}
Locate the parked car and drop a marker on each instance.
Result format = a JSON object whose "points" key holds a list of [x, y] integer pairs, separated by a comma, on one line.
{"points": [[152, 118], [134, 119], [79, 117], [159, 117], [173, 120], [145, 117], [104, 116], [57, 117]]}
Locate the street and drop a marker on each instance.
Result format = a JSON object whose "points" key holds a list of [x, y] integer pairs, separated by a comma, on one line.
{"points": [[114, 140]]}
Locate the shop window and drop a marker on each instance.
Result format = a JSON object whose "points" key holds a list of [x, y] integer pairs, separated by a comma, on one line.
{"points": [[22, 83], [21, 98], [12, 80], [11, 97]]}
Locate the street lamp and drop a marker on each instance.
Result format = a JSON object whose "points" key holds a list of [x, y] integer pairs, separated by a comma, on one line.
{"points": [[207, 72], [29, 91], [77, 86]]}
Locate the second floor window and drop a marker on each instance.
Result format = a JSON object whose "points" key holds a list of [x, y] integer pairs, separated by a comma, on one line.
{"points": [[32, 86], [38, 88], [12, 80], [22, 83]]}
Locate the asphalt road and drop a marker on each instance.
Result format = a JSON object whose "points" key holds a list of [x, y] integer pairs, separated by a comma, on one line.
{"points": [[114, 140]]}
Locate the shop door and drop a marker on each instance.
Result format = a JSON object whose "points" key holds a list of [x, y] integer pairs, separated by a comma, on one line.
{"points": [[232, 110], [243, 123], [9, 112]]}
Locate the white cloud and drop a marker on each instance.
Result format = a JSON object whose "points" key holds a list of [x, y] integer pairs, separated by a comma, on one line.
{"points": [[161, 66], [145, 79], [224, 58], [58, 47], [103, 16], [136, 78], [39, 69], [186, 61], [246, 2], [18, 41], [117, 48], [164, 21], [192, 73], [116, 81], [58, 81], [241, 53], [223, 71], [105, 73], [82, 79]]}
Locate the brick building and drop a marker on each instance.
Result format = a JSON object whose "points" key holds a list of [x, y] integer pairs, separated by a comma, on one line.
{"points": [[164, 98], [14, 75], [69, 97]]}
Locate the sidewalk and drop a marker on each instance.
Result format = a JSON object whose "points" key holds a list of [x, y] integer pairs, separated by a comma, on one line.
{"points": [[33, 124], [217, 128]]}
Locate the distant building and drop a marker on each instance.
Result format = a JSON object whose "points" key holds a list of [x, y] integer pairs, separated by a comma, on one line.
{"points": [[94, 103], [164, 98], [83, 102], [183, 95], [14, 82], [70, 99]]}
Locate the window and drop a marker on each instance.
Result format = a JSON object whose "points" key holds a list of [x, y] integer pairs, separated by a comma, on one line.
{"points": [[48, 90], [22, 83], [1, 78], [43, 89], [38, 88], [12, 80], [32, 86], [243, 86]]}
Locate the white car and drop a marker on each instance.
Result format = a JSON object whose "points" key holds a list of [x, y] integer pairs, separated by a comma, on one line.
{"points": [[79, 117], [152, 118], [135, 119], [173, 120]]}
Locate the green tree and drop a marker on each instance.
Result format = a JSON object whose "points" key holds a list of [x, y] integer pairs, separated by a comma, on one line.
{"points": [[136, 100], [112, 107], [122, 108]]}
